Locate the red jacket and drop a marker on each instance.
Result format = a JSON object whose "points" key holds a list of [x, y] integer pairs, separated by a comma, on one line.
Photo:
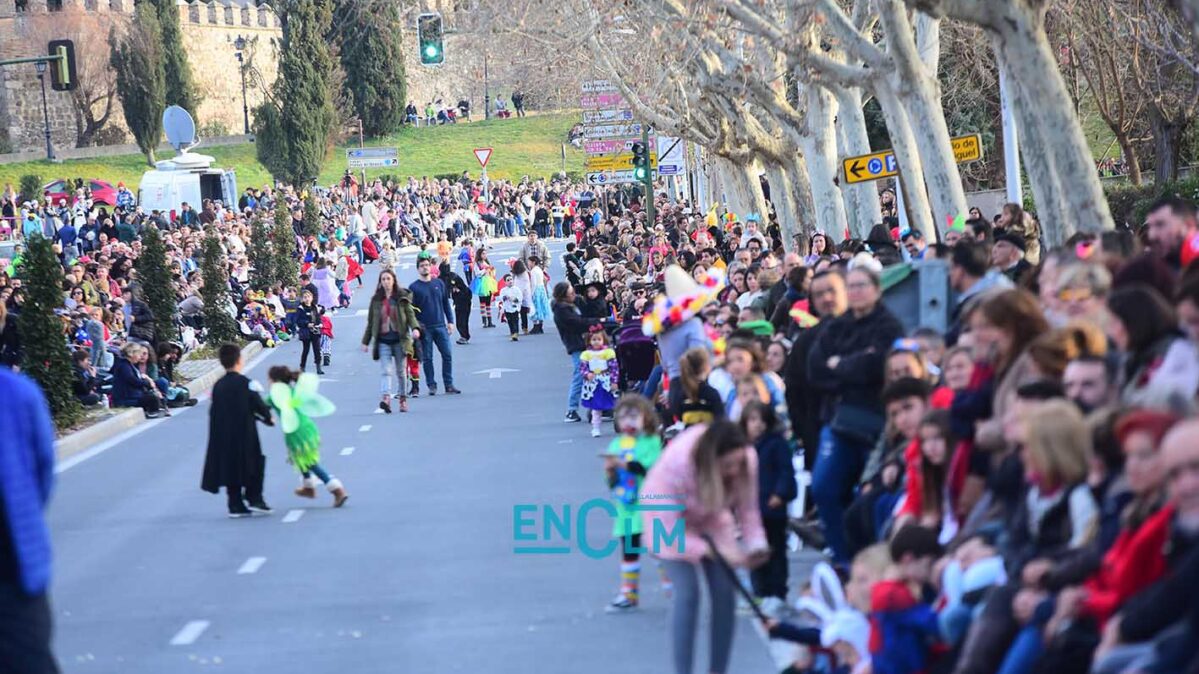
{"points": [[1134, 562]]}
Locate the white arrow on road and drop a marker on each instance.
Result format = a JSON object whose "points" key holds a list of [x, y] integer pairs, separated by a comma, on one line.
{"points": [[496, 372]]}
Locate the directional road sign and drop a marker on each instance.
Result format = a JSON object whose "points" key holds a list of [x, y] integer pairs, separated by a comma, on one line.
{"points": [[483, 154], [609, 146], [602, 101], [373, 157], [607, 116], [611, 131], [598, 87], [611, 177], [878, 165], [617, 162]]}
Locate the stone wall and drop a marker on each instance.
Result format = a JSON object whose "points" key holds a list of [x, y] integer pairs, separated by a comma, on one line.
{"points": [[209, 30]]}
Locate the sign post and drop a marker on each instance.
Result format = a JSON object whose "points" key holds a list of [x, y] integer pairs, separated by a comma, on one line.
{"points": [[878, 165], [372, 157], [483, 154]]}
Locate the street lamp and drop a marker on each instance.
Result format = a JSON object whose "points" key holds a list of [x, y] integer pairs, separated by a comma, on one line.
{"points": [[240, 45], [41, 76]]}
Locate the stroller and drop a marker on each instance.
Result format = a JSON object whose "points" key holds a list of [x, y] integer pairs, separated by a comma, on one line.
{"points": [[636, 354]]}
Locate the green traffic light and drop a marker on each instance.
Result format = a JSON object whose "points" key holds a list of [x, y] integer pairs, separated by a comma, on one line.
{"points": [[431, 51], [639, 173]]}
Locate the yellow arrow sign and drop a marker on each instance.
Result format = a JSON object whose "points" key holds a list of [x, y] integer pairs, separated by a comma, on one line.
{"points": [[879, 165], [617, 162]]}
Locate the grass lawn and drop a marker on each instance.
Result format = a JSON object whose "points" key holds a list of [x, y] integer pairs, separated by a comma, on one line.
{"points": [[529, 146]]}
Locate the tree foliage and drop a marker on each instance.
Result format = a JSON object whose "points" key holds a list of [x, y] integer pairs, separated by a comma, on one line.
{"points": [[158, 290], [312, 215], [283, 244], [295, 122], [180, 88], [219, 324], [137, 58], [261, 254], [45, 357], [368, 34]]}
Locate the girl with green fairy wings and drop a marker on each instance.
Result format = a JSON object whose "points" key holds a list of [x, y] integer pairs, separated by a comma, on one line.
{"points": [[293, 395]]}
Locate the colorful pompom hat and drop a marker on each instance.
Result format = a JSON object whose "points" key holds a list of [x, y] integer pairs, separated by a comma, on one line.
{"points": [[684, 299]]}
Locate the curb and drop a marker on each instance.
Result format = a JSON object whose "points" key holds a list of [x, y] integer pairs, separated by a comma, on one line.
{"points": [[79, 441]]}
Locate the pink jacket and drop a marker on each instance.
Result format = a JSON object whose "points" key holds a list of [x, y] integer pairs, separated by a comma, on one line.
{"points": [[672, 481]]}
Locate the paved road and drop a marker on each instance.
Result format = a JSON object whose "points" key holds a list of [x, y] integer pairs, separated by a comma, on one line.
{"points": [[416, 574]]}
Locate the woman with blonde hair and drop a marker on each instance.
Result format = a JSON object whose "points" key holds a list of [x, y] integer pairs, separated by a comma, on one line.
{"points": [[1058, 512]]}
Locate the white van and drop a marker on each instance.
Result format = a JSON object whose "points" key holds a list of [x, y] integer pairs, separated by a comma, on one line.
{"points": [[186, 178]]}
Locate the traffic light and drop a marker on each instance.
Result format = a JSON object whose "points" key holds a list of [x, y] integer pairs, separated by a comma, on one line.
{"points": [[431, 39], [62, 69], [640, 161]]}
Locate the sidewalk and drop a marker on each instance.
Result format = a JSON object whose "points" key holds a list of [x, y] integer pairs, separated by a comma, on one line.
{"points": [[198, 375]]}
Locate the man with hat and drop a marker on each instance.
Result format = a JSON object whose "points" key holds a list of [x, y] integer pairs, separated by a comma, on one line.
{"points": [[1007, 256]]}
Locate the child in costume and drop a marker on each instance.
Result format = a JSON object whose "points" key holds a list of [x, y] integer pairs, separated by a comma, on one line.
{"points": [[293, 395], [538, 280], [510, 302], [326, 338], [600, 377], [484, 287], [627, 460]]}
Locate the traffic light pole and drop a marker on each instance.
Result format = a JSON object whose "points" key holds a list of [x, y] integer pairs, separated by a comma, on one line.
{"points": [[41, 77], [649, 178]]}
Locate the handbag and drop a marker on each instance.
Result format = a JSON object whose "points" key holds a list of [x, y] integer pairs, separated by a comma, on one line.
{"points": [[857, 424]]}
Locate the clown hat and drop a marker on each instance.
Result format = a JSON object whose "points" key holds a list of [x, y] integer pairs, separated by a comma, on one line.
{"points": [[684, 299]]}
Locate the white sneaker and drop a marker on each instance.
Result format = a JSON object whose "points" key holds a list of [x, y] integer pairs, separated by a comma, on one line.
{"points": [[595, 431]]}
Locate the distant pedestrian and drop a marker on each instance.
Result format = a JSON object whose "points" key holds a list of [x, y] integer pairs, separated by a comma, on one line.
{"points": [[26, 480], [572, 328], [294, 396], [431, 298], [234, 459]]}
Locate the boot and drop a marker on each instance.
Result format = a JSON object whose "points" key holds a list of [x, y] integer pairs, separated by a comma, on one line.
{"points": [[339, 492], [403, 403], [307, 488]]}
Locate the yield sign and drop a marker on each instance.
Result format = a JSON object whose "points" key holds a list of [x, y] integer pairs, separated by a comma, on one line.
{"points": [[483, 154]]}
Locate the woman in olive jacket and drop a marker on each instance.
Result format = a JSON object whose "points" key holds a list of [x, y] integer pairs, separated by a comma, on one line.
{"points": [[390, 327]]}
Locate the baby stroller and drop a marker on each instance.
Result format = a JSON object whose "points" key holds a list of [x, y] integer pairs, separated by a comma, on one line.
{"points": [[636, 354]]}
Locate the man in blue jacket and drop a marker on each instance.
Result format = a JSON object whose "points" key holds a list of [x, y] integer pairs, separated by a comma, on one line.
{"points": [[432, 301], [26, 478]]}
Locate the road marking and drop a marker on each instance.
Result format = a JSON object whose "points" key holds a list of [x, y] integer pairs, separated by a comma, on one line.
{"points": [[293, 515], [347, 451], [565, 442], [189, 633], [365, 427], [67, 464], [251, 565], [361, 312], [496, 372]]}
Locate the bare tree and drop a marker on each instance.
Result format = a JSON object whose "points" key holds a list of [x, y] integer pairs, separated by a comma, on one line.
{"points": [[1167, 73], [1105, 56], [92, 100]]}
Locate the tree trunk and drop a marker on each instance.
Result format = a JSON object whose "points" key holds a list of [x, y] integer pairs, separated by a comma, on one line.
{"points": [[1029, 60], [790, 191], [150, 158], [921, 92], [742, 189], [903, 144], [820, 153], [861, 199], [1042, 173], [1167, 146], [1130, 157]]}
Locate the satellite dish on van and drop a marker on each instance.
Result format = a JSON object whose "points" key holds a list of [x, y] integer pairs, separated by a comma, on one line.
{"points": [[180, 129]]}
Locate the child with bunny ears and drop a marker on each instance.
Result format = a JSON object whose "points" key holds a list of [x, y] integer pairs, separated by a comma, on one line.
{"points": [[841, 614]]}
